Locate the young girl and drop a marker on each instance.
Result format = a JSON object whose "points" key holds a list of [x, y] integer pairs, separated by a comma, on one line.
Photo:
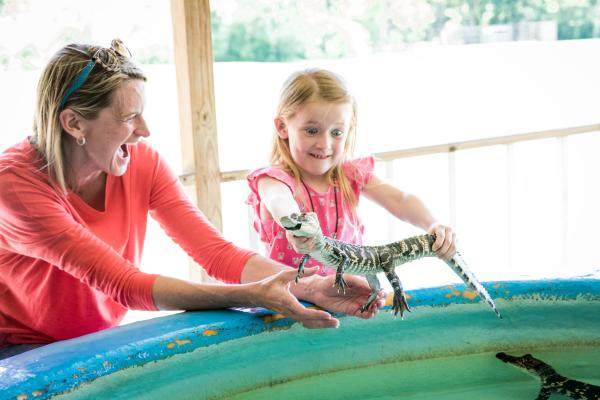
{"points": [[311, 170]]}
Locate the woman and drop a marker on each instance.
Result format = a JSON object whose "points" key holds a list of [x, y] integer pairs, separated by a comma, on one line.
{"points": [[74, 200]]}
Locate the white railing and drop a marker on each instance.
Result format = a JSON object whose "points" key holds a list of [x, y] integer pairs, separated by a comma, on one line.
{"points": [[514, 244]]}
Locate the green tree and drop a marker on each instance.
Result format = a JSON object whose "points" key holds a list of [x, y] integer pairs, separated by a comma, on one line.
{"points": [[578, 19], [284, 30]]}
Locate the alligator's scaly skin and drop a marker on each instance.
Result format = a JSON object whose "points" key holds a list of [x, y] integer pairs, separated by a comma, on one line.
{"points": [[369, 260], [552, 381]]}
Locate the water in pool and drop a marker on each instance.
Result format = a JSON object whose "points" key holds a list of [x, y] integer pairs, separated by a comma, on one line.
{"points": [[479, 376]]}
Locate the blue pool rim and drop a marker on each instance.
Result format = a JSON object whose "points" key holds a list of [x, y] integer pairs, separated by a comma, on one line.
{"points": [[66, 365]]}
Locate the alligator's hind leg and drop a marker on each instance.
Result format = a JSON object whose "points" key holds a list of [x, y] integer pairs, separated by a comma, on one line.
{"points": [[375, 288], [300, 273], [340, 283], [400, 304]]}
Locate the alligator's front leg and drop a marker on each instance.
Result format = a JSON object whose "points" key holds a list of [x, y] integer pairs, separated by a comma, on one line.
{"points": [[300, 273], [375, 288], [400, 304]]}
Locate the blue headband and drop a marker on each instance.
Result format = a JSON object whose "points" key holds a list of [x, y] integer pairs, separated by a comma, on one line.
{"points": [[78, 82]]}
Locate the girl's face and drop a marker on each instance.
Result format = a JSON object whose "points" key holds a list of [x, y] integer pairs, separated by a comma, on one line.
{"points": [[116, 127], [317, 135]]}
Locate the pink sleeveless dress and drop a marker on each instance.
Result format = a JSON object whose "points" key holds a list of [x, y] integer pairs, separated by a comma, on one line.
{"points": [[328, 206]]}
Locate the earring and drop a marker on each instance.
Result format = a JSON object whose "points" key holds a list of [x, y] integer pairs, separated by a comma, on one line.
{"points": [[80, 140]]}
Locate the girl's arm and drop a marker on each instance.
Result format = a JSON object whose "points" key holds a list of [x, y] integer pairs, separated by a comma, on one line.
{"points": [[409, 208], [279, 202], [277, 198]]}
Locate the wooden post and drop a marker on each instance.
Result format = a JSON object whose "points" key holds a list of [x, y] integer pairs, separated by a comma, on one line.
{"points": [[194, 66]]}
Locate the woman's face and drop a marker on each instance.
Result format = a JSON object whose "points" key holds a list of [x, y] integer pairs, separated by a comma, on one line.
{"points": [[117, 127]]}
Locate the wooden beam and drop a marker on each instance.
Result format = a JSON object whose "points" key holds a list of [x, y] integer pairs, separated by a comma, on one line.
{"points": [[199, 150], [194, 66]]}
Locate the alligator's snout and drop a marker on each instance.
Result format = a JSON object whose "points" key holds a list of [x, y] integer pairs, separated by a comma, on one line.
{"points": [[294, 228], [291, 223], [522, 361]]}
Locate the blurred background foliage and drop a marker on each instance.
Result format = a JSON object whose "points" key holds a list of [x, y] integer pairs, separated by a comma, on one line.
{"points": [[287, 30], [264, 30]]}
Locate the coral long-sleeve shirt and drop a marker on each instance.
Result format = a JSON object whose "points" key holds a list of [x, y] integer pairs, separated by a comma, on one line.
{"points": [[67, 269]]}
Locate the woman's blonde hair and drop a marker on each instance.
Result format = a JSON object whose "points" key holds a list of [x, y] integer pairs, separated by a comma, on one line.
{"points": [[311, 85], [94, 94]]}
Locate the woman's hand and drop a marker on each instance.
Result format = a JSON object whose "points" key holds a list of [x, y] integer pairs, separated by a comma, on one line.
{"points": [[322, 292], [274, 293], [445, 241]]}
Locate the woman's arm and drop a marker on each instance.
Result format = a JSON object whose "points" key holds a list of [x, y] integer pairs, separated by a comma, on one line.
{"points": [[272, 292], [408, 207], [271, 285]]}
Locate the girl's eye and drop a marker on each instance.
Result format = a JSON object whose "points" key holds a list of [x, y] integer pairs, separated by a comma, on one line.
{"points": [[312, 131], [337, 132]]}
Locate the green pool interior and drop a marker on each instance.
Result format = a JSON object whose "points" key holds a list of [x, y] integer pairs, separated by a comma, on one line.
{"points": [[435, 352], [477, 376]]}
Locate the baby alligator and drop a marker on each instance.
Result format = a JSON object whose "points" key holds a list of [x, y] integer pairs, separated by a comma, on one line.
{"points": [[551, 380], [369, 260]]}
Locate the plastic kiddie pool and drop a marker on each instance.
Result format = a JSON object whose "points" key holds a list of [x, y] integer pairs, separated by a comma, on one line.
{"points": [[444, 349]]}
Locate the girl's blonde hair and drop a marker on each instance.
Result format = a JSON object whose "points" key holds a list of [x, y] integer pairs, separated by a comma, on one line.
{"points": [[311, 85], [64, 68]]}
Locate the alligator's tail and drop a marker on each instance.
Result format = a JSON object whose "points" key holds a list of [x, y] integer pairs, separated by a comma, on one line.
{"points": [[416, 247], [459, 266]]}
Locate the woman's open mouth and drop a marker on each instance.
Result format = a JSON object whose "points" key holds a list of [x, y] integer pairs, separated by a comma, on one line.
{"points": [[123, 151]]}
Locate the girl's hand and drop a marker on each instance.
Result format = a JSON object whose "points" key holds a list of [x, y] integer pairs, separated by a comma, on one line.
{"points": [[445, 241], [302, 245], [274, 293]]}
